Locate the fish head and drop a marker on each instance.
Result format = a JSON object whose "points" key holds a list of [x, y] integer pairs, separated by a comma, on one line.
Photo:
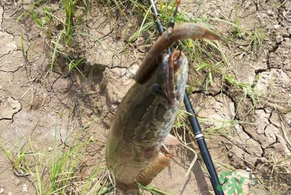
{"points": [[170, 77]]}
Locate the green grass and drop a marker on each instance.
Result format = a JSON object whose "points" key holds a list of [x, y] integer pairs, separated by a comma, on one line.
{"points": [[65, 20], [217, 127], [18, 159], [247, 89], [207, 57], [200, 53], [287, 111], [57, 171], [56, 50], [63, 169]]}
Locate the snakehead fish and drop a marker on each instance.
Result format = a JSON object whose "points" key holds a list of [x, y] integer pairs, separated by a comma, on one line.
{"points": [[135, 150]]}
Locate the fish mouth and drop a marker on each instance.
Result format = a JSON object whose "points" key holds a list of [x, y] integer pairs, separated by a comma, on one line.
{"points": [[174, 66], [176, 58]]}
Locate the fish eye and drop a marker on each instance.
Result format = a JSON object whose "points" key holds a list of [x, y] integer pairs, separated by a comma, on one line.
{"points": [[156, 88]]}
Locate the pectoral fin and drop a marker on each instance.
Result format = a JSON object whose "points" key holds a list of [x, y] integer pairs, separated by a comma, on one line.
{"points": [[154, 169], [171, 140]]}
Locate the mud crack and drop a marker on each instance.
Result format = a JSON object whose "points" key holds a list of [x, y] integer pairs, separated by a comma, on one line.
{"points": [[8, 108]]}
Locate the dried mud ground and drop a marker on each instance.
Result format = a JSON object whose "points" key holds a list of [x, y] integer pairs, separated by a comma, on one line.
{"points": [[38, 105]]}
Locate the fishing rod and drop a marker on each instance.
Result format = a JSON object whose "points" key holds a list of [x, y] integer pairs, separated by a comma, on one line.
{"points": [[192, 118]]}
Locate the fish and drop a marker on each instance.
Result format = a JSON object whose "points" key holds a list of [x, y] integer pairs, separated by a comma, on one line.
{"points": [[172, 34], [136, 147]]}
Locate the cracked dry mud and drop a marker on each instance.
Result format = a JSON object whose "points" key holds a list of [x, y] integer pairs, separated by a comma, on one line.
{"points": [[35, 103]]}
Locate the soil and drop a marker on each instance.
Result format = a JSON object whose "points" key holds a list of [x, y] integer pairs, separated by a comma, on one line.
{"points": [[38, 105]]}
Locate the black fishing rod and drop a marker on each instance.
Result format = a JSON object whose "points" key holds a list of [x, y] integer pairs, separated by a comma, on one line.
{"points": [[193, 119]]}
